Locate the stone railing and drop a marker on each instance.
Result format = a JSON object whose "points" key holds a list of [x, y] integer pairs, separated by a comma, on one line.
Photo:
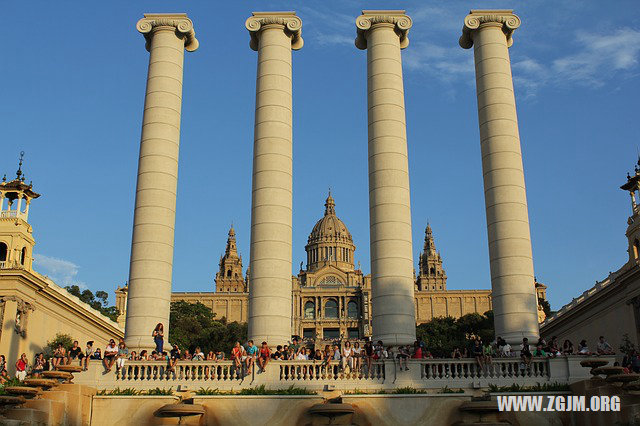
{"points": [[500, 368], [315, 375], [4, 265], [10, 214]]}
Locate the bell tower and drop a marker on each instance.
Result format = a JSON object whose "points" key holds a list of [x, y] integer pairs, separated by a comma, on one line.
{"points": [[16, 239], [229, 278], [633, 230], [432, 276]]}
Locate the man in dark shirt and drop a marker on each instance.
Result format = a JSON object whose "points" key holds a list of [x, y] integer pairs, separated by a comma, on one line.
{"points": [[75, 352], [174, 356], [278, 353]]}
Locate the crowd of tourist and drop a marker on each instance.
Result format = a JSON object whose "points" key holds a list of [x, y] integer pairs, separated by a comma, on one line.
{"points": [[345, 355]]}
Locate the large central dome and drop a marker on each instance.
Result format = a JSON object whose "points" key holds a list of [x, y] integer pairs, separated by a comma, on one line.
{"points": [[330, 227], [330, 241]]}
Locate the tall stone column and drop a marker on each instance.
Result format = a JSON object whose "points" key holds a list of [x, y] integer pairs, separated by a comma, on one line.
{"points": [[149, 293], [512, 283], [273, 36], [383, 33]]}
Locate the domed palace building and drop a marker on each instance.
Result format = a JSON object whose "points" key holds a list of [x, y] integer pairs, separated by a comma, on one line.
{"points": [[331, 296]]}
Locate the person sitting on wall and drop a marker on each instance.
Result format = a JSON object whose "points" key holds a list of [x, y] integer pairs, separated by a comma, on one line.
{"points": [[477, 353], [38, 365], [174, 356], [525, 354], [97, 354], [507, 350], [237, 353], [198, 355], [123, 355], [59, 356], [252, 353], [265, 356], [368, 354], [456, 354], [403, 356], [567, 347], [539, 351], [21, 367], [278, 355], [553, 349], [489, 351], [417, 350], [75, 353], [604, 348], [583, 349], [110, 354], [295, 346], [88, 354]]}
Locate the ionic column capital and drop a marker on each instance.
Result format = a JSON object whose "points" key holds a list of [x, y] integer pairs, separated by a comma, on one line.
{"points": [[179, 21], [476, 19], [290, 23], [371, 18]]}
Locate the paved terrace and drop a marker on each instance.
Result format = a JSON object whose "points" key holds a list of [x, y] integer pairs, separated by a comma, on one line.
{"points": [[422, 374]]}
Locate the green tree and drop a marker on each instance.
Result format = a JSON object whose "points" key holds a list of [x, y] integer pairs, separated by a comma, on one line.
{"points": [[546, 307], [98, 301], [443, 334], [194, 324], [61, 339]]}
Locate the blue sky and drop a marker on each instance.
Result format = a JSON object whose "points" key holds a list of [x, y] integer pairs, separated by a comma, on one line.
{"points": [[73, 81]]}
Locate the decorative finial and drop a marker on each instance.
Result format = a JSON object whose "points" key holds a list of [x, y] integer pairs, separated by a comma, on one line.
{"points": [[330, 205], [19, 172], [4, 178]]}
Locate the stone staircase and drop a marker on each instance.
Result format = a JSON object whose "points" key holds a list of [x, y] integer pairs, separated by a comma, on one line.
{"points": [[47, 401]]}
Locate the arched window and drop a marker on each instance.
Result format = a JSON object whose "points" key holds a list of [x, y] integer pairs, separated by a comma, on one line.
{"points": [[229, 273], [331, 309], [636, 248], [433, 271], [352, 309], [3, 252], [23, 255], [309, 310], [236, 275]]}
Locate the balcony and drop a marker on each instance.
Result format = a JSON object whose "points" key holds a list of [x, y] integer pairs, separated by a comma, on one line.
{"points": [[315, 375]]}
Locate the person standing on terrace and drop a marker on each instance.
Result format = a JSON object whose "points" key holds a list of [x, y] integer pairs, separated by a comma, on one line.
{"points": [[158, 337]]}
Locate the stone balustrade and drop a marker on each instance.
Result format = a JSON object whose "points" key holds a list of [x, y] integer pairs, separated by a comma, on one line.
{"points": [[315, 375]]}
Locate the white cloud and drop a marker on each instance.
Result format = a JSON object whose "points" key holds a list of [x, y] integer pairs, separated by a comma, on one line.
{"points": [[63, 272], [599, 56]]}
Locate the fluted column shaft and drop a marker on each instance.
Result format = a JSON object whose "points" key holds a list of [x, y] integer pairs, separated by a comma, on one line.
{"points": [[512, 281], [273, 36], [383, 34], [149, 293]]}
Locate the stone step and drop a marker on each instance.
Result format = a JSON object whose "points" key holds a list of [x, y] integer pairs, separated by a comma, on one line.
{"points": [[25, 391], [69, 368], [28, 416], [41, 383], [58, 375], [10, 400]]}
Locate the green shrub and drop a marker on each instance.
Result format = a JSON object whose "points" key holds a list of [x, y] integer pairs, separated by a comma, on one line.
{"points": [[120, 392], [446, 389], [262, 390], [158, 391], [209, 391], [538, 387], [409, 390], [64, 339]]}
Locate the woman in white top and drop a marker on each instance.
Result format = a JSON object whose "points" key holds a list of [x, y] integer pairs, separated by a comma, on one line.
{"points": [[302, 355], [347, 355], [357, 356]]}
